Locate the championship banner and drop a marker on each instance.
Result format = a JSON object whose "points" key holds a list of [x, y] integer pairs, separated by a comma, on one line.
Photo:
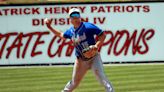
{"points": [[134, 32]]}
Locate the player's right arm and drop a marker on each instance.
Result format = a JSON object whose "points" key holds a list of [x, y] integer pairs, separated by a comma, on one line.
{"points": [[55, 31]]}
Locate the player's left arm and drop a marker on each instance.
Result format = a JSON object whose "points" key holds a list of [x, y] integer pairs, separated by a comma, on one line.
{"points": [[92, 50], [100, 36], [100, 40]]}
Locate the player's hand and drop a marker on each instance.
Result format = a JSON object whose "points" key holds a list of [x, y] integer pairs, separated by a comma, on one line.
{"points": [[90, 52], [93, 47], [48, 22]]}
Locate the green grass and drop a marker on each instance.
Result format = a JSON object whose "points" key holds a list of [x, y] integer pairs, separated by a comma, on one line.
{"points": [[137, 78]]}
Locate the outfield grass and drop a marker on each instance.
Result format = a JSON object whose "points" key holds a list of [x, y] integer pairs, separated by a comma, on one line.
{"points": [[144, 78]]}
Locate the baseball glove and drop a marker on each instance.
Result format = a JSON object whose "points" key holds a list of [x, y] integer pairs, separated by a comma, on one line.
{"points": [[90, 52]]}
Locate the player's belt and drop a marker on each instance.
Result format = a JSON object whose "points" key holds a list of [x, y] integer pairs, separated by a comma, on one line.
{"points": [[86, 59]]}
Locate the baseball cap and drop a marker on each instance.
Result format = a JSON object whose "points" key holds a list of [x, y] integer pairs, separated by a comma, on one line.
{"points": [[74, 12]]}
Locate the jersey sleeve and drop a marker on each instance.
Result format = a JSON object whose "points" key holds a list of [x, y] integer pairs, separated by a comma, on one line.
{"points": [[95, 29], [67, 34]]}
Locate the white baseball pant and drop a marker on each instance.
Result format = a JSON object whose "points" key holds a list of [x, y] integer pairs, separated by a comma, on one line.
{"points": [[81, 67]]}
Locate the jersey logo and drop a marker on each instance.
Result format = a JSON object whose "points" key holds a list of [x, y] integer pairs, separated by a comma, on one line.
{"points": [[83, 37], [78, 38]]}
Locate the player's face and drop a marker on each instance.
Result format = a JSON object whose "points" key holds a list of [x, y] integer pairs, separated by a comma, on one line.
{"points": [[76, 21]]}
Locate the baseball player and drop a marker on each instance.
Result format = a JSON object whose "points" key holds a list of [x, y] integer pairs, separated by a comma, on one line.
{"points": [[86, 50]]}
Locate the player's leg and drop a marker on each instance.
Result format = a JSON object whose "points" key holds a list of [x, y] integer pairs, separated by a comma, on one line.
{"points": [[78, 73], [97, 68]]}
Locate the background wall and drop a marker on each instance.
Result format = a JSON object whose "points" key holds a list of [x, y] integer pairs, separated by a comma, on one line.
{"points": [[134, 32]]}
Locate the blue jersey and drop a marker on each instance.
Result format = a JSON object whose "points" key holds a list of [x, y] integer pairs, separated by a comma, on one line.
{"points": [[82, 37]]}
